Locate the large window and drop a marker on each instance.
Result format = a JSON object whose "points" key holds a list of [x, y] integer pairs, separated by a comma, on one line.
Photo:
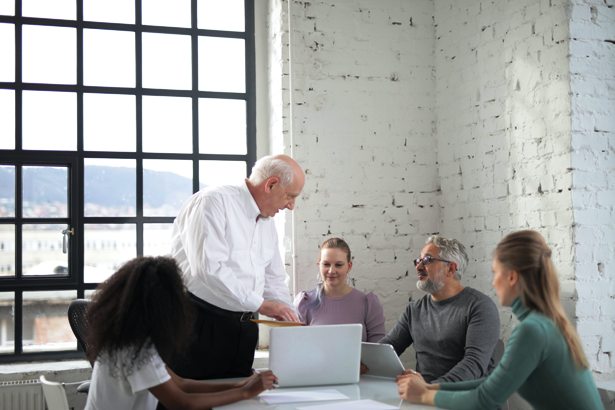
{"points": [[112, 113]]}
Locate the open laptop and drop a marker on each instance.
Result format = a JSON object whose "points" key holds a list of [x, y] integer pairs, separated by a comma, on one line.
{"points": [[315, 355], [381, 360]]}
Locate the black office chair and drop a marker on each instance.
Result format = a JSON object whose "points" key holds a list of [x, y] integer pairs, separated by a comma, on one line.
{"points": [[79, 324]]}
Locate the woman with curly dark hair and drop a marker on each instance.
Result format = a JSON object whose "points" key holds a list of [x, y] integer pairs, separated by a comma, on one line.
{"points": [[138, 322]]}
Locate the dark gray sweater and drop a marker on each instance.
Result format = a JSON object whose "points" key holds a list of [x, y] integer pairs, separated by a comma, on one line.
{"points": [[453, 339]]}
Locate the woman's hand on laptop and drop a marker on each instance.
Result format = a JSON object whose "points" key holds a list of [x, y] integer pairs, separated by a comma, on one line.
{"points": [[363, 369], [258, 382], [278, 310]]}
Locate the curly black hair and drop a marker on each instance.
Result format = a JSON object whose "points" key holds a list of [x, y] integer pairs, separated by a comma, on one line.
{"points": [[144, 303]]}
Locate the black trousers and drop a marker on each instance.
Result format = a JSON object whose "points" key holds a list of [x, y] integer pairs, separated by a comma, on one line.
{"points": [[222, 344]]}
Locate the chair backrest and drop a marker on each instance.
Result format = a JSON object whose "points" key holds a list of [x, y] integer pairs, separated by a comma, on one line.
{"points": [[55, 395], [78, 322]]}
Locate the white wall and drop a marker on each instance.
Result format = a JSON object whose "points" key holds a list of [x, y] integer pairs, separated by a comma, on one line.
{"points": [[503, 129], [362, 125], [461, 117], [592, 71]]}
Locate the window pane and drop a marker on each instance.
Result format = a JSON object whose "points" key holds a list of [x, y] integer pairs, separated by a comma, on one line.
{"points": [[7, 250], [101, 134], [55, 9], [45, 192], [213, 173], [49, 55], [107, 247], [157, 239], [7, 118], [109, 187], [221, 15], [7, 8], [45, 321], [166, 13], [7, 322], [222, 64], [49, 120], [166, 61], [7, 191], [109, 58], [112, 11], [166, 185], [7, 51], [42, 250], [167, 124], [222, 126]]}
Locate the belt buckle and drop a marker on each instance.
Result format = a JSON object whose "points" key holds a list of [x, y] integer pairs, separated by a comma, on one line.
{"points": [[246, 316]]}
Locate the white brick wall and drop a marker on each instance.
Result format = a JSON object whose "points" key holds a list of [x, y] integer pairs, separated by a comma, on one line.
{"points": [[415, 117], [363, 127], [502, 124], [592, 71]]}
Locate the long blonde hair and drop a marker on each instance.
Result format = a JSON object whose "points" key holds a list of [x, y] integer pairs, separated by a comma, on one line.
{"points": [[527, 253]]}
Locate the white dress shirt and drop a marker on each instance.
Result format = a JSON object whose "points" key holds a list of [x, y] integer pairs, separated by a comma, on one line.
{"points": [[229, 255]]}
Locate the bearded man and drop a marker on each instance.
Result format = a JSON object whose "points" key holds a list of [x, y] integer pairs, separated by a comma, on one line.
{"points": [[453, 329]]}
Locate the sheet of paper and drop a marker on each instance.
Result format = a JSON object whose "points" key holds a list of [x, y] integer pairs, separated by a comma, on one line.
{"points": [[294, 396], [351, 405]]}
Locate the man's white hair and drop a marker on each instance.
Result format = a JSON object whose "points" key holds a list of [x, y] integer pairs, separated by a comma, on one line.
{"points": [[270, 166], [451, 250]]}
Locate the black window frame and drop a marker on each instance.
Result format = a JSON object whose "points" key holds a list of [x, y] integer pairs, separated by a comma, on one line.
{"points": [[19, 157]]}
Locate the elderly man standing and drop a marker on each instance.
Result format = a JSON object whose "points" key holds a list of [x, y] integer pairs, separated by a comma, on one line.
{"points": [[225, 242], [453, 329]]}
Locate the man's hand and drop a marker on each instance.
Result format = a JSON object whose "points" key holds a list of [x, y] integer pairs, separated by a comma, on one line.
{"points": [[258, 382], [278, 310]]}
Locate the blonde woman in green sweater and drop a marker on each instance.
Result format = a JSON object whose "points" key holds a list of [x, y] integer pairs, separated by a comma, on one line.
{"points": [[543, 359]]}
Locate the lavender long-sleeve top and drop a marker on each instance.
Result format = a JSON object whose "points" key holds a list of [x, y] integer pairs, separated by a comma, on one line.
{"points": [[355, 307]]}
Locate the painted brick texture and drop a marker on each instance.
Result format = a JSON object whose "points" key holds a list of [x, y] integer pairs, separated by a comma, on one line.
{"points": [[467, 118], [362, 79], [592, 72], [503, 129]]}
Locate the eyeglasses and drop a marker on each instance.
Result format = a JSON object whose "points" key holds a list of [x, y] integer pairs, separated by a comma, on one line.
{"points": [[428, 259]]}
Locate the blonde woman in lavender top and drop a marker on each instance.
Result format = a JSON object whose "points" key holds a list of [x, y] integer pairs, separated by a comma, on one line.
{"points": [[334, 301]]}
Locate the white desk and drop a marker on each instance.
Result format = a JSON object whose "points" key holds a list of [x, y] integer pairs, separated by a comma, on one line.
{"points": [[381, 390]]}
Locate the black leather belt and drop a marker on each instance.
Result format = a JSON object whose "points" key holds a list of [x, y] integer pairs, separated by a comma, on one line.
{"points": [[240, 316]]}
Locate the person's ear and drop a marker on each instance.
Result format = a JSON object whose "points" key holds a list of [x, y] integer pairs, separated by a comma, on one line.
{"points": [[349, 266], [513, 278], [452, 268], [271, 182]]}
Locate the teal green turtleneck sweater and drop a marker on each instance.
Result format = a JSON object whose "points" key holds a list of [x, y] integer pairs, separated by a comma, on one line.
{"points": [[536, 363]]}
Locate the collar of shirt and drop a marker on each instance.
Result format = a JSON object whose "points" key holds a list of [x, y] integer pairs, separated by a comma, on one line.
{"points": [[519, 309], [251, 206]]}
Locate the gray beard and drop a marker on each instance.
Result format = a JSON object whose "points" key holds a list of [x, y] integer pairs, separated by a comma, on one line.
{"points": [[429, 286]]}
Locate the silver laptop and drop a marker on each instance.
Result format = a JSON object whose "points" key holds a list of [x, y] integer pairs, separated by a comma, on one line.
{"points": [[315, 355], [381, 360]]}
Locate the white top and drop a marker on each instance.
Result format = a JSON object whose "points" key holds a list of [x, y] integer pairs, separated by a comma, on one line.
{"points": [[229, 255], [124, 388]]}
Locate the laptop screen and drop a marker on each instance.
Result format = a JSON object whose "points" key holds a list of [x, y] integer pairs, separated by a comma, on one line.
{"points": [[315, 355]]}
